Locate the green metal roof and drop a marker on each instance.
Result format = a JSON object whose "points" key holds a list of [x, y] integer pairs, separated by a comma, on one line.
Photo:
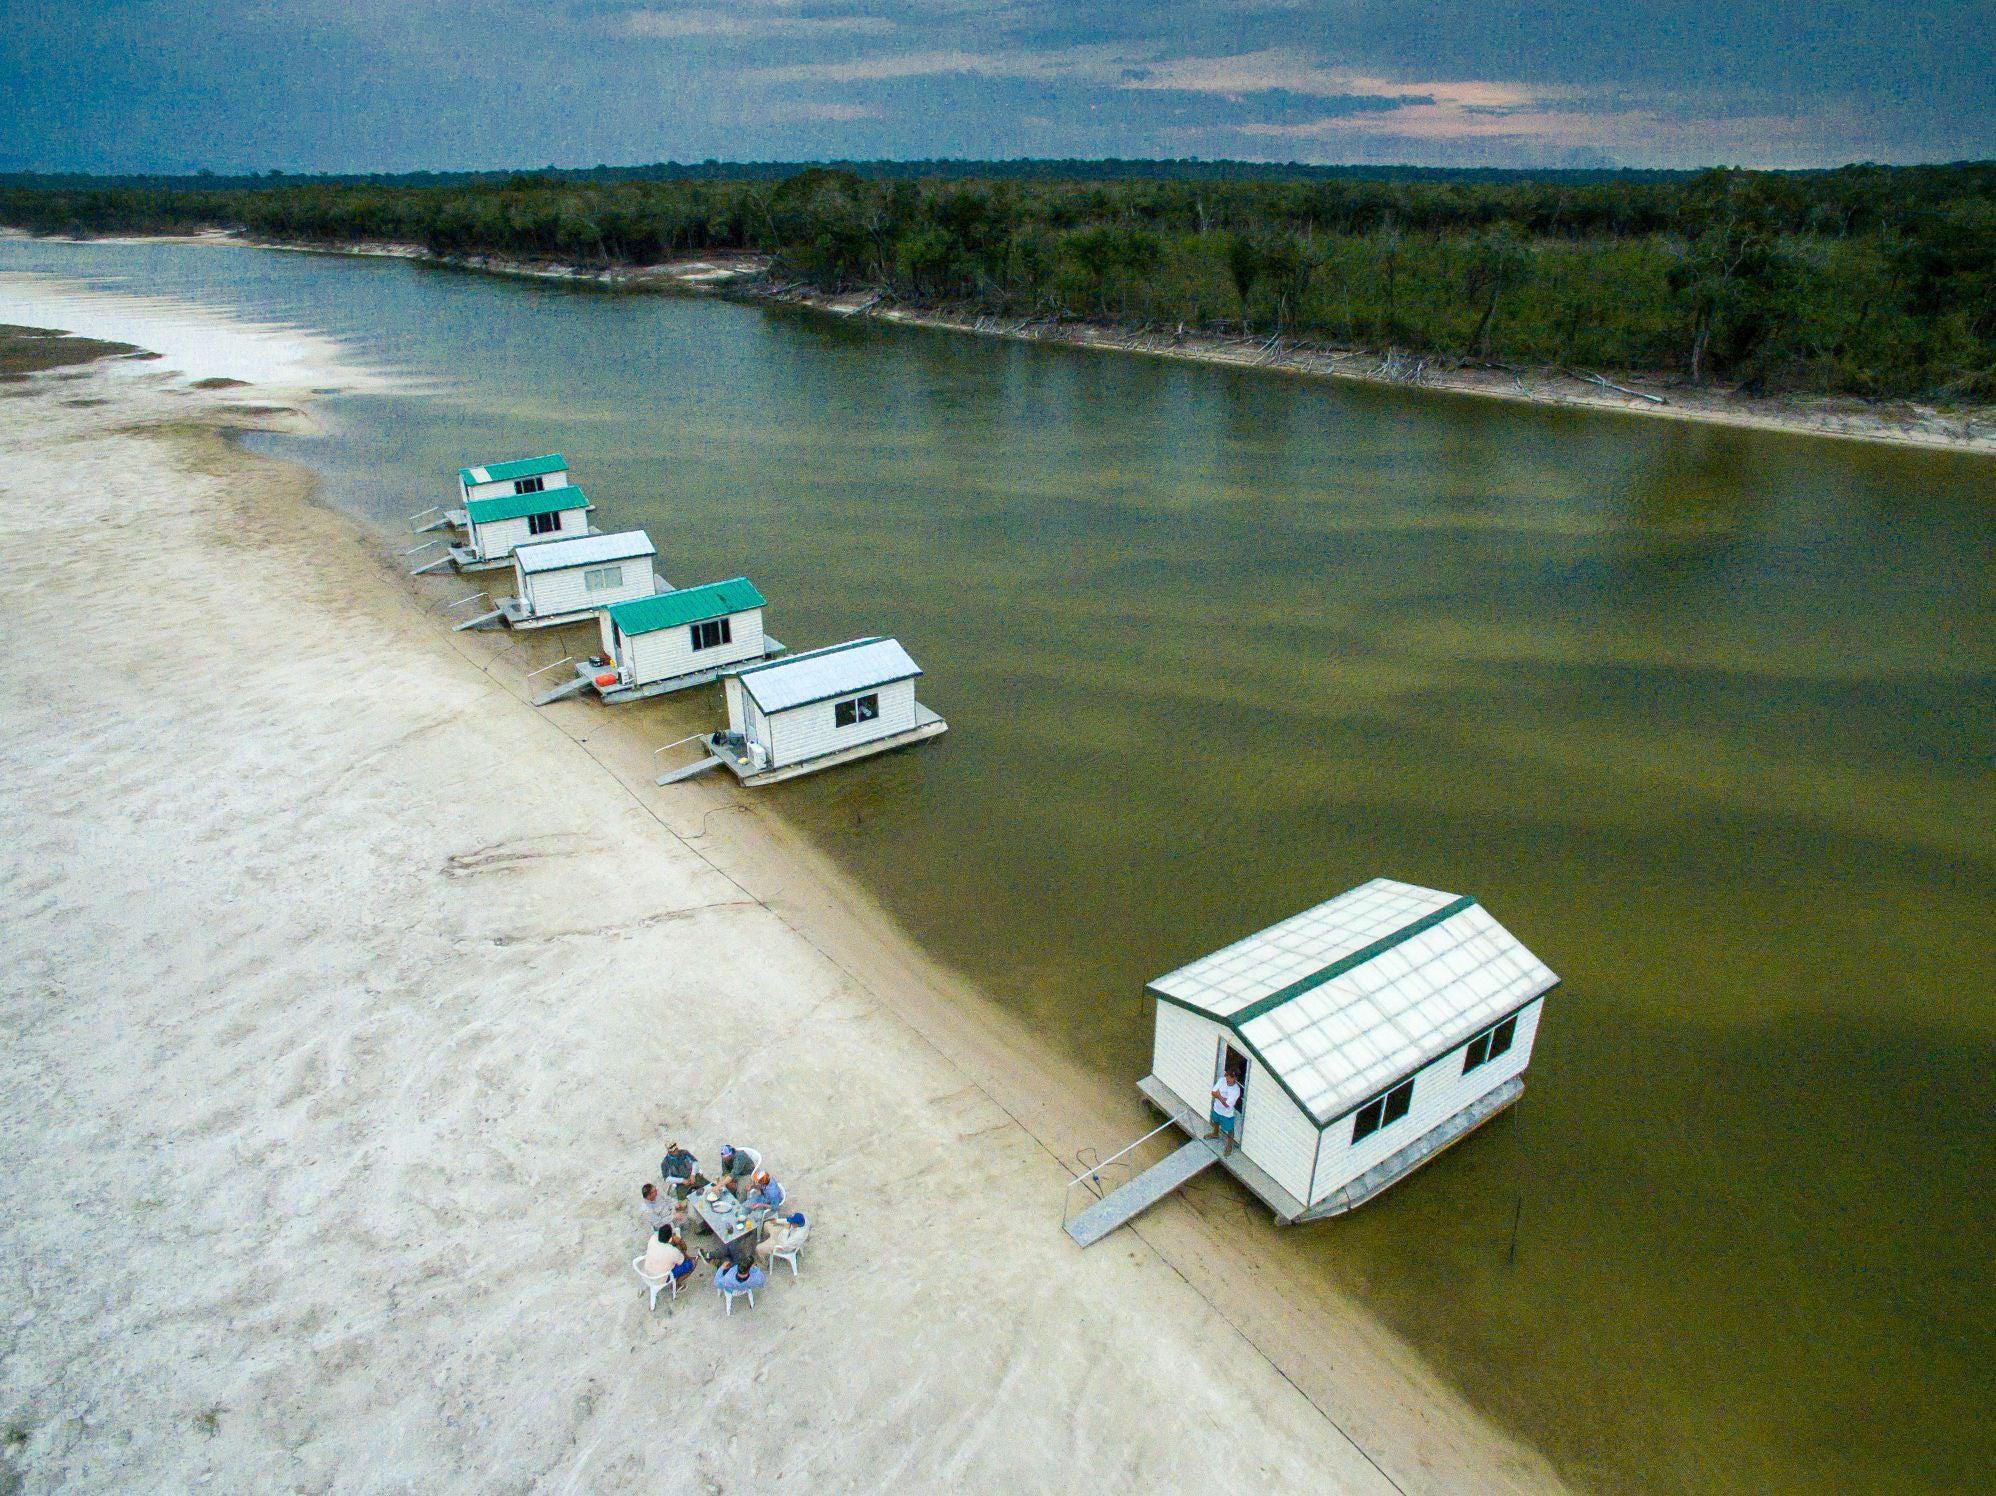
{"points": [[665, 610], [517, 505], [506, 472]]}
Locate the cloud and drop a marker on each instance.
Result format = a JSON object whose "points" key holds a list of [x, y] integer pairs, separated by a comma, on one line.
{"points": [[1080, 62], [741, 23], [820, 111], [394, 85]]}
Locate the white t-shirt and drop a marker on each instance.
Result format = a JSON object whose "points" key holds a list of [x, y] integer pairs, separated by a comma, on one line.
{"points": [[1226, 1096]]}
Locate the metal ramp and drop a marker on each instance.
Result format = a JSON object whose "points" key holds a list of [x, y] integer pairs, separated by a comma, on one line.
{"points": [[429, 566], [579, 680], [689, 770], [1149, 1187], [480, 621]]}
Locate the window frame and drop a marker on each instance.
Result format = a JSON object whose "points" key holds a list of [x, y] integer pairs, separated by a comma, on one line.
{"points": [[546, 522], [1488, 1045], [710, 633], [863, 708], [614, 571], [1372, 1117], [529, 485]]}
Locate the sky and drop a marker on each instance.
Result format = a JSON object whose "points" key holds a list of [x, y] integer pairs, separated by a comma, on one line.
{"points": [[400, 85]]}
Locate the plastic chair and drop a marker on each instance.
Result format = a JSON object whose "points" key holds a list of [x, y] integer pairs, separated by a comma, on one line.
{"points": [[789, 1253], [654, 1284], [729, 1295]]}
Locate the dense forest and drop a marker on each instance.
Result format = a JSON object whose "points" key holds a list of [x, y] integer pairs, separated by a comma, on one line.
{"points": [[1867, 280]]}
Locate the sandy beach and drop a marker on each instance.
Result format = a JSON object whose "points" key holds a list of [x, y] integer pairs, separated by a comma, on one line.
{"points": [[351, 1001]]}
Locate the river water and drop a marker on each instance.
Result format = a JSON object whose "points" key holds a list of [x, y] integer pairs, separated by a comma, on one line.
{"points": [[1705, 716]]}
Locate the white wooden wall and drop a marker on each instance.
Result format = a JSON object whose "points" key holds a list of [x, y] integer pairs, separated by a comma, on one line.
{"points": [[1440, 1091], [1275, 1133], [563, 591], [809, 731], [664, 653], [497, 537], [495, 490], [1182, 1049]]}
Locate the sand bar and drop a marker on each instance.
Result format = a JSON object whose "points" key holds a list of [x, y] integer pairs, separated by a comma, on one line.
{"points": [[349, 997]]}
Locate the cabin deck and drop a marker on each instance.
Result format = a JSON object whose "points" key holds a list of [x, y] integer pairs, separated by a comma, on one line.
{"points": [[464, 558], [1286, 1206], [735, 757], [1290, 1211], [513, 613]]}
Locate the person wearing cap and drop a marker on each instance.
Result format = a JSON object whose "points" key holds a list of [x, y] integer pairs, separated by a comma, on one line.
{"points": [[764, 1193], [678, 1166], [736, 1166], [785, 1233]]}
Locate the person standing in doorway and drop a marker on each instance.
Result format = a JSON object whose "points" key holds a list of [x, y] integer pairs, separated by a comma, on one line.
{"points": [[1226, 1111]]}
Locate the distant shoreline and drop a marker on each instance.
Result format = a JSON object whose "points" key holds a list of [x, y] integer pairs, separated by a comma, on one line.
{"points": [[746, 277]]}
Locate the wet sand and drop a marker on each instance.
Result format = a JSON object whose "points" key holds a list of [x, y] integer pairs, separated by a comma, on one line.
{"points": [[352, 997]]}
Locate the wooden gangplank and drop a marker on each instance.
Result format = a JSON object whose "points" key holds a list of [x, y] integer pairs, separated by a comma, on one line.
{"points": [[1160, 1179]]}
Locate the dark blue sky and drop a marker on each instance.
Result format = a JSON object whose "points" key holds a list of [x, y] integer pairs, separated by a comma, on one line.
{"points": [[344, 85]]}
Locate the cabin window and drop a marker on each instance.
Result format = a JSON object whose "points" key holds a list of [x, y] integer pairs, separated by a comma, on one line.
{"points": [[1382, 1111], [529, 485], [713, 633], [542, 524], [603, 578], [1490, 1044], [859, 709]]}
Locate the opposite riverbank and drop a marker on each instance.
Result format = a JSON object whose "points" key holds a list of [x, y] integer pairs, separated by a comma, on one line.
{"points": [[342, 1046], [1968, 428]]}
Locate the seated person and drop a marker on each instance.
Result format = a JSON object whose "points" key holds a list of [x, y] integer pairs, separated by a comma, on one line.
{"points": [[764, 1192], [657, 1209], [665, 1256], [785, 1234], [736, 1166], [740, 1277], [678, 1166]]}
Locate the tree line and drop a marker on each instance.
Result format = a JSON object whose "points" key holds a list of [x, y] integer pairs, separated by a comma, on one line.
{"points": [[1867, 280]]}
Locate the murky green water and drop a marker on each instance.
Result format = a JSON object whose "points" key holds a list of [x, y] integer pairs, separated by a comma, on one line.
{"points": [[1707, 717]]}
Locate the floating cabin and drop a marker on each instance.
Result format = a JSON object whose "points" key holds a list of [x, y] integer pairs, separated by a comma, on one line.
{"points": [[566, 581], [509, 504], [1369, 1033], [810, 711], [673, 640]]}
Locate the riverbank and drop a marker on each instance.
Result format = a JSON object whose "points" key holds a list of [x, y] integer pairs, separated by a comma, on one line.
{"points": [[1894, 423], [343, 1045]]}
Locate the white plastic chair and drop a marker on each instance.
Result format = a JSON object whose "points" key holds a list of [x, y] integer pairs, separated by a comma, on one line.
{"points": [[789, 1254], [755, 1159], [729, 1295], [654, 1284]]}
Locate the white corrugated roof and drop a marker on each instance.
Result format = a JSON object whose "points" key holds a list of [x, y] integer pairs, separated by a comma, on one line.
{"points": [[584, 550], [823, 674], [1347, 997]]}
